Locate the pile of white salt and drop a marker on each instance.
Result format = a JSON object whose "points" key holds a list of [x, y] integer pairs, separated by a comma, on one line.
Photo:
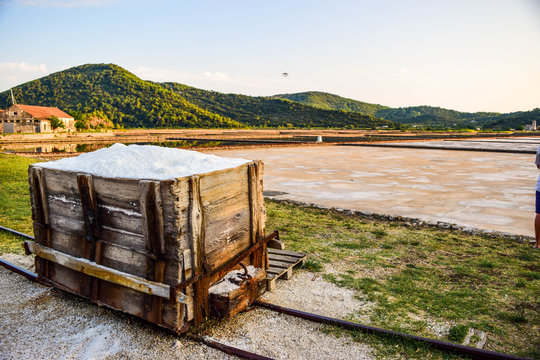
{"points": [[143, 162]]}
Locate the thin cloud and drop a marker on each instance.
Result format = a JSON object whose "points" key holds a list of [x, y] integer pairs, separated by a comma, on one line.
{"points": [[22, 67], [219, 81], [16, 73], [161, 75]]}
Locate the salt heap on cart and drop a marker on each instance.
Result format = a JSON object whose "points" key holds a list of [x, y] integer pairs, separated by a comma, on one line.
{"points": [[151, 231]]}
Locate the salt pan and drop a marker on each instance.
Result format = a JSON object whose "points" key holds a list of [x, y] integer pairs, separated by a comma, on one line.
{"points": [[143, 162]]}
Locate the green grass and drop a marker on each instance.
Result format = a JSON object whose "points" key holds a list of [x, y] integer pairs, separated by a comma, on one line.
{"points": [[15, 211], [416, 277]]}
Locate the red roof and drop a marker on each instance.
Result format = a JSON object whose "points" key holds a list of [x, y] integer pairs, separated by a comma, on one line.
{"points": [[43, 112]]}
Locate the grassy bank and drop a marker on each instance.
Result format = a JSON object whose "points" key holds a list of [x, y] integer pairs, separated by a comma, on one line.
{"points": [[15, 211], [423, 281]]}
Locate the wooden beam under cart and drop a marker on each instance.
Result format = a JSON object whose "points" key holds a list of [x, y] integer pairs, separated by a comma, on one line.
{"points": [[104, 273]]}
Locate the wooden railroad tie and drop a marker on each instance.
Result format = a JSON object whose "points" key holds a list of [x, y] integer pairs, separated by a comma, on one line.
{"points": [[281, 263]]}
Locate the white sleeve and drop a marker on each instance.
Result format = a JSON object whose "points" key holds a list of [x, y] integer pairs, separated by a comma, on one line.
{"points": [[537, 161]]}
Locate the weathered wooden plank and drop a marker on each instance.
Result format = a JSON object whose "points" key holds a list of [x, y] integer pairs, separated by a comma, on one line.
{"points": [[175, 203], [188, 273], [67, 243], [130, 228], [123, 259], [197, 236], [68, 278], [124, 220], [117, 257], [40, 215], [261, 214], [256, 224], [173, 316], [284, 258], [89, 207], [123, 238], [62, 206], [122, 193], [278, 264], [275, 271], [227, 251], [95, 282], [91, 229], [226, 214], [121, 298], [286, 253], [101, 272], [152, 216], [216, 186], [66, 224], [61, 182], [226, 236]]}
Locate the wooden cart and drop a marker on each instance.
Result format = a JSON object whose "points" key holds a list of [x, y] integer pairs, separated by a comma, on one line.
{"points": [[150, 248]]}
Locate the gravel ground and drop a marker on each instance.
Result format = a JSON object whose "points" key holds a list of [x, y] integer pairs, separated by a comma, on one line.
{"points": [[37, 322]]}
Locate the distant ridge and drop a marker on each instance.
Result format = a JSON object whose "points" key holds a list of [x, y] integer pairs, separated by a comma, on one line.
{"points": [[328, 101], [128, 101], [272, 112], [417, 115]]}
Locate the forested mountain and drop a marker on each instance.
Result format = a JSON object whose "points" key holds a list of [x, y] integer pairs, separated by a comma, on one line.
{"points": [[514, 120], [129, 101], [268, 111], [328, 101], [121, 96], [436, 116], [418, 115]]}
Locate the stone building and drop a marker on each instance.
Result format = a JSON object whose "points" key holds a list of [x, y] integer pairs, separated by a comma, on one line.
{"points": [[531, 127], [31, 118]]}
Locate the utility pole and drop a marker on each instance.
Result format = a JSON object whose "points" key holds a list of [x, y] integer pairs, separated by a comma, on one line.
{"points": [[12, 97]]}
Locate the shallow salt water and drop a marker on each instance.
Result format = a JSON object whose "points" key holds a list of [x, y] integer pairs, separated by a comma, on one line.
{"points": [[487, 190]]}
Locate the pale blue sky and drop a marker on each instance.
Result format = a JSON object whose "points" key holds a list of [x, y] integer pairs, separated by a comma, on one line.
{"points": [[475, 55]]}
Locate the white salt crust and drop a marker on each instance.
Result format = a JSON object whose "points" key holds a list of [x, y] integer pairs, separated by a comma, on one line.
{"points": [[231, 281], [143, 162]]}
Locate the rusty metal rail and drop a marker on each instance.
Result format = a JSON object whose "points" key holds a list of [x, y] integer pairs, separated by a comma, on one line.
{"points": [[471, 352], [468, 351], [17, 233], [244, 354], [19, 270]]}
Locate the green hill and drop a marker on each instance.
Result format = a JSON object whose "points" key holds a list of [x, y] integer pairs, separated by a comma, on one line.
{"points": [[129, 101], [121, 96], [417, 115], [328, 101], [514, 120], [272, 112], [435, 116]]}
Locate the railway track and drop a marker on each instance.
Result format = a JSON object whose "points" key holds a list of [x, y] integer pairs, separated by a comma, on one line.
{"points": [[466, 351]]}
